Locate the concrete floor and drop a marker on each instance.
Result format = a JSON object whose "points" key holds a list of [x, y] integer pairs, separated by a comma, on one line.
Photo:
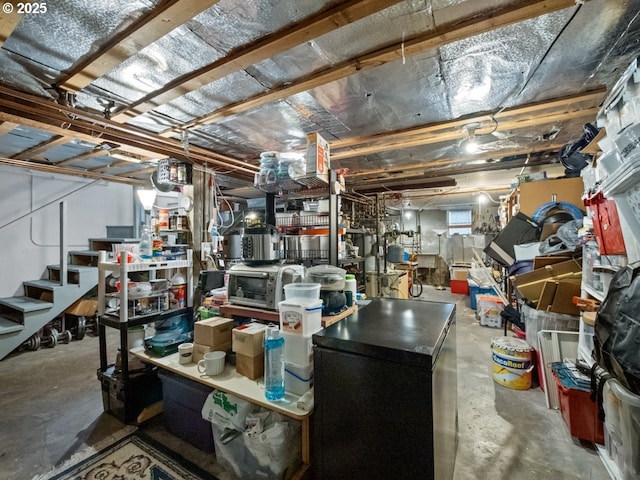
{"points": [[51, 407]]}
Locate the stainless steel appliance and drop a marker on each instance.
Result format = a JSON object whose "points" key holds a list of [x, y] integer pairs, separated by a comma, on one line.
{"points": [[260, 245], [387, 375], [261, 286]]}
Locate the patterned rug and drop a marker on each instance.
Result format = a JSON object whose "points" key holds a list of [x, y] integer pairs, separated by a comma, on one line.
{"points": [[134, 457]]}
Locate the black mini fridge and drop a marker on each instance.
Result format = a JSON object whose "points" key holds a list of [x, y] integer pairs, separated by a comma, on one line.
{"points": [[385, 391]]}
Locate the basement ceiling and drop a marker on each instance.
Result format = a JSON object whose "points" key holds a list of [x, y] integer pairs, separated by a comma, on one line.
{"points": [[106, 89]]}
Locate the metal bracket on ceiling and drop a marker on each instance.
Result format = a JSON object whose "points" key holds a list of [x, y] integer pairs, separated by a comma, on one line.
{"points": [[107, 106], [65, 97]]}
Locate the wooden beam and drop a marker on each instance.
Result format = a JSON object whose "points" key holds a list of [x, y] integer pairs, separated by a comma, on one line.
{"points": [[439, 37], [247, 55], [43, 114], [372, 174], [75, 172], [9, 20], [162, 19], [83, 156], [31, 153], [6, 127], [487, 121], [457, 134]]}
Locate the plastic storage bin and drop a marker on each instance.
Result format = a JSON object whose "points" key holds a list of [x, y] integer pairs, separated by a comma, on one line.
{"points": [[474, 291], [622, 428], [125, 399], [536, 320], [578, 411], [301, 316], [182, 406], [307, 291], [459, 286], [489, 309]]}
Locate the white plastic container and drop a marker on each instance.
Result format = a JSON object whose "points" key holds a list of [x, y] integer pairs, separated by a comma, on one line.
{"points": [[298, 378], [302, 291], [622, 427], [300, 317], [298, 348]]}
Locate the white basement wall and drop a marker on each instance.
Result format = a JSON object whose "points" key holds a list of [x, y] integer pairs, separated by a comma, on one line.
{"points": [[31, 242]]}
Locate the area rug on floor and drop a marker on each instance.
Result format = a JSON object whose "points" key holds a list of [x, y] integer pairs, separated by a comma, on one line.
{"points": [[136, 456]]}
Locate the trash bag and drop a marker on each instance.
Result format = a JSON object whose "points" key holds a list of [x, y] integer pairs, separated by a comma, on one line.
{"points": [[564, 240]]}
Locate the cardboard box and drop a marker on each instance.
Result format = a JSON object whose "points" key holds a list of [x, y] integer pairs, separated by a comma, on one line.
{"points": [[212, 331], [249, 366], [557, 296], [535, 194], [544, 260], [248, 339], [529, 285], [199, 351], [459, 273], [85, 307]]}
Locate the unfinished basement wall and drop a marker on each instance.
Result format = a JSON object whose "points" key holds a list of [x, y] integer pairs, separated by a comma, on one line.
{"points": [[31, 242]]}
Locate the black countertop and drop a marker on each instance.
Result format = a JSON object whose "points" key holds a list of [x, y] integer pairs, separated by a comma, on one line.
{"points": [[406, 331]]}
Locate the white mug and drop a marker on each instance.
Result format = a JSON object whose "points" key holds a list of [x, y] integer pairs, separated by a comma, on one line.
{"points": [[212, 363], [185, 353]]}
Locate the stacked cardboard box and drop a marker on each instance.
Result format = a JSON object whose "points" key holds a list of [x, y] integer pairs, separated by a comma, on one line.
{"points": [[210, 335], [248, 343]]}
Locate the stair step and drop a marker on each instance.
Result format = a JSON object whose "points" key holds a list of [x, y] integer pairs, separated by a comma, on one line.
{"points": [[9, 326], [73, 268], [25, 304], [84, 257], [43, 284]]}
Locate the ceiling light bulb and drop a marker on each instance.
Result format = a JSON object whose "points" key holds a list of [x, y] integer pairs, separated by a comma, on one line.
{"points": [[471, 146]]}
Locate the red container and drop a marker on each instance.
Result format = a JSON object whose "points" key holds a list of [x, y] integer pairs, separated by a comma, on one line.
{"points": [[580, 413], [459, 286], [606, 224]]}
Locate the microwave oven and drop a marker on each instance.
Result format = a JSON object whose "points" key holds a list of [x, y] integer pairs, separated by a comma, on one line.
{"points": [[261, 286]]}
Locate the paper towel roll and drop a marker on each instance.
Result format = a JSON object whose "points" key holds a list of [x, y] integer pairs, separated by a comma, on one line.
{"points": [[305, 402]]}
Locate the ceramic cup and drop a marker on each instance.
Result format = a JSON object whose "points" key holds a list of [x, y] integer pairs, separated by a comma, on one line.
{"points": [[212, 363], [185, 353]]}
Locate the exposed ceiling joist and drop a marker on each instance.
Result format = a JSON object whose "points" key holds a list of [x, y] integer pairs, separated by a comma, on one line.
{"points": [[487, 122], [446, 34], [361, 177], [265, 47], [9, 19], [6, 127], [587, 113], [31, 153], [69, 171], [163, 18], [44, 114]]}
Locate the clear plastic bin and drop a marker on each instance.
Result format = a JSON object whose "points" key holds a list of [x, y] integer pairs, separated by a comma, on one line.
{"points": [[622, 428], [536, 320]]}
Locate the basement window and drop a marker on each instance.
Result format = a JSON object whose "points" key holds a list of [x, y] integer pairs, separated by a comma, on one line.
{"points": [[459, 222]]}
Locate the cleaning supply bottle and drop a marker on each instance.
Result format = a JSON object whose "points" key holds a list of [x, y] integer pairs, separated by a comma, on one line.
{"points": [[350, 288], [146, 245], [273, 363]]}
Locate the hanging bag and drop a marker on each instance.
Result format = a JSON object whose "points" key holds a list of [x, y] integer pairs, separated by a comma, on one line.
{"points": [[616, 341]]}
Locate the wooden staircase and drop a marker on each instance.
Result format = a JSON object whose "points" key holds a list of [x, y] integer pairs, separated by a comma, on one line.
{"points": [[44, 299]]}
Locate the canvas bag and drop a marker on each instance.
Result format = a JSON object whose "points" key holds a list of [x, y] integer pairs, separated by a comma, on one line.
{"points": [[616, 340]]}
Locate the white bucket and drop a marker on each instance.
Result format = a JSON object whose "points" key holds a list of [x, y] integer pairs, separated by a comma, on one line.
{"points": [[512, 362]]}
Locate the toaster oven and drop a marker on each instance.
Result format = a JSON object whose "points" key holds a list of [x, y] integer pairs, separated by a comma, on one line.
{"points": [[261, 286]]}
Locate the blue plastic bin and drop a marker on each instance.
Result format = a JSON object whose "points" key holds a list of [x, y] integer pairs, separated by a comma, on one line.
{"points": [[475, 290]]}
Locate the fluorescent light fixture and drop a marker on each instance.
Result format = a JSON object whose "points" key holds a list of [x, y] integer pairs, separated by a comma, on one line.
{"points": [[147, 197]]}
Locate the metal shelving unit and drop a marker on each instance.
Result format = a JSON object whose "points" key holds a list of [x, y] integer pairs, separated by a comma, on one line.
{"points": [[119, 318]]}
